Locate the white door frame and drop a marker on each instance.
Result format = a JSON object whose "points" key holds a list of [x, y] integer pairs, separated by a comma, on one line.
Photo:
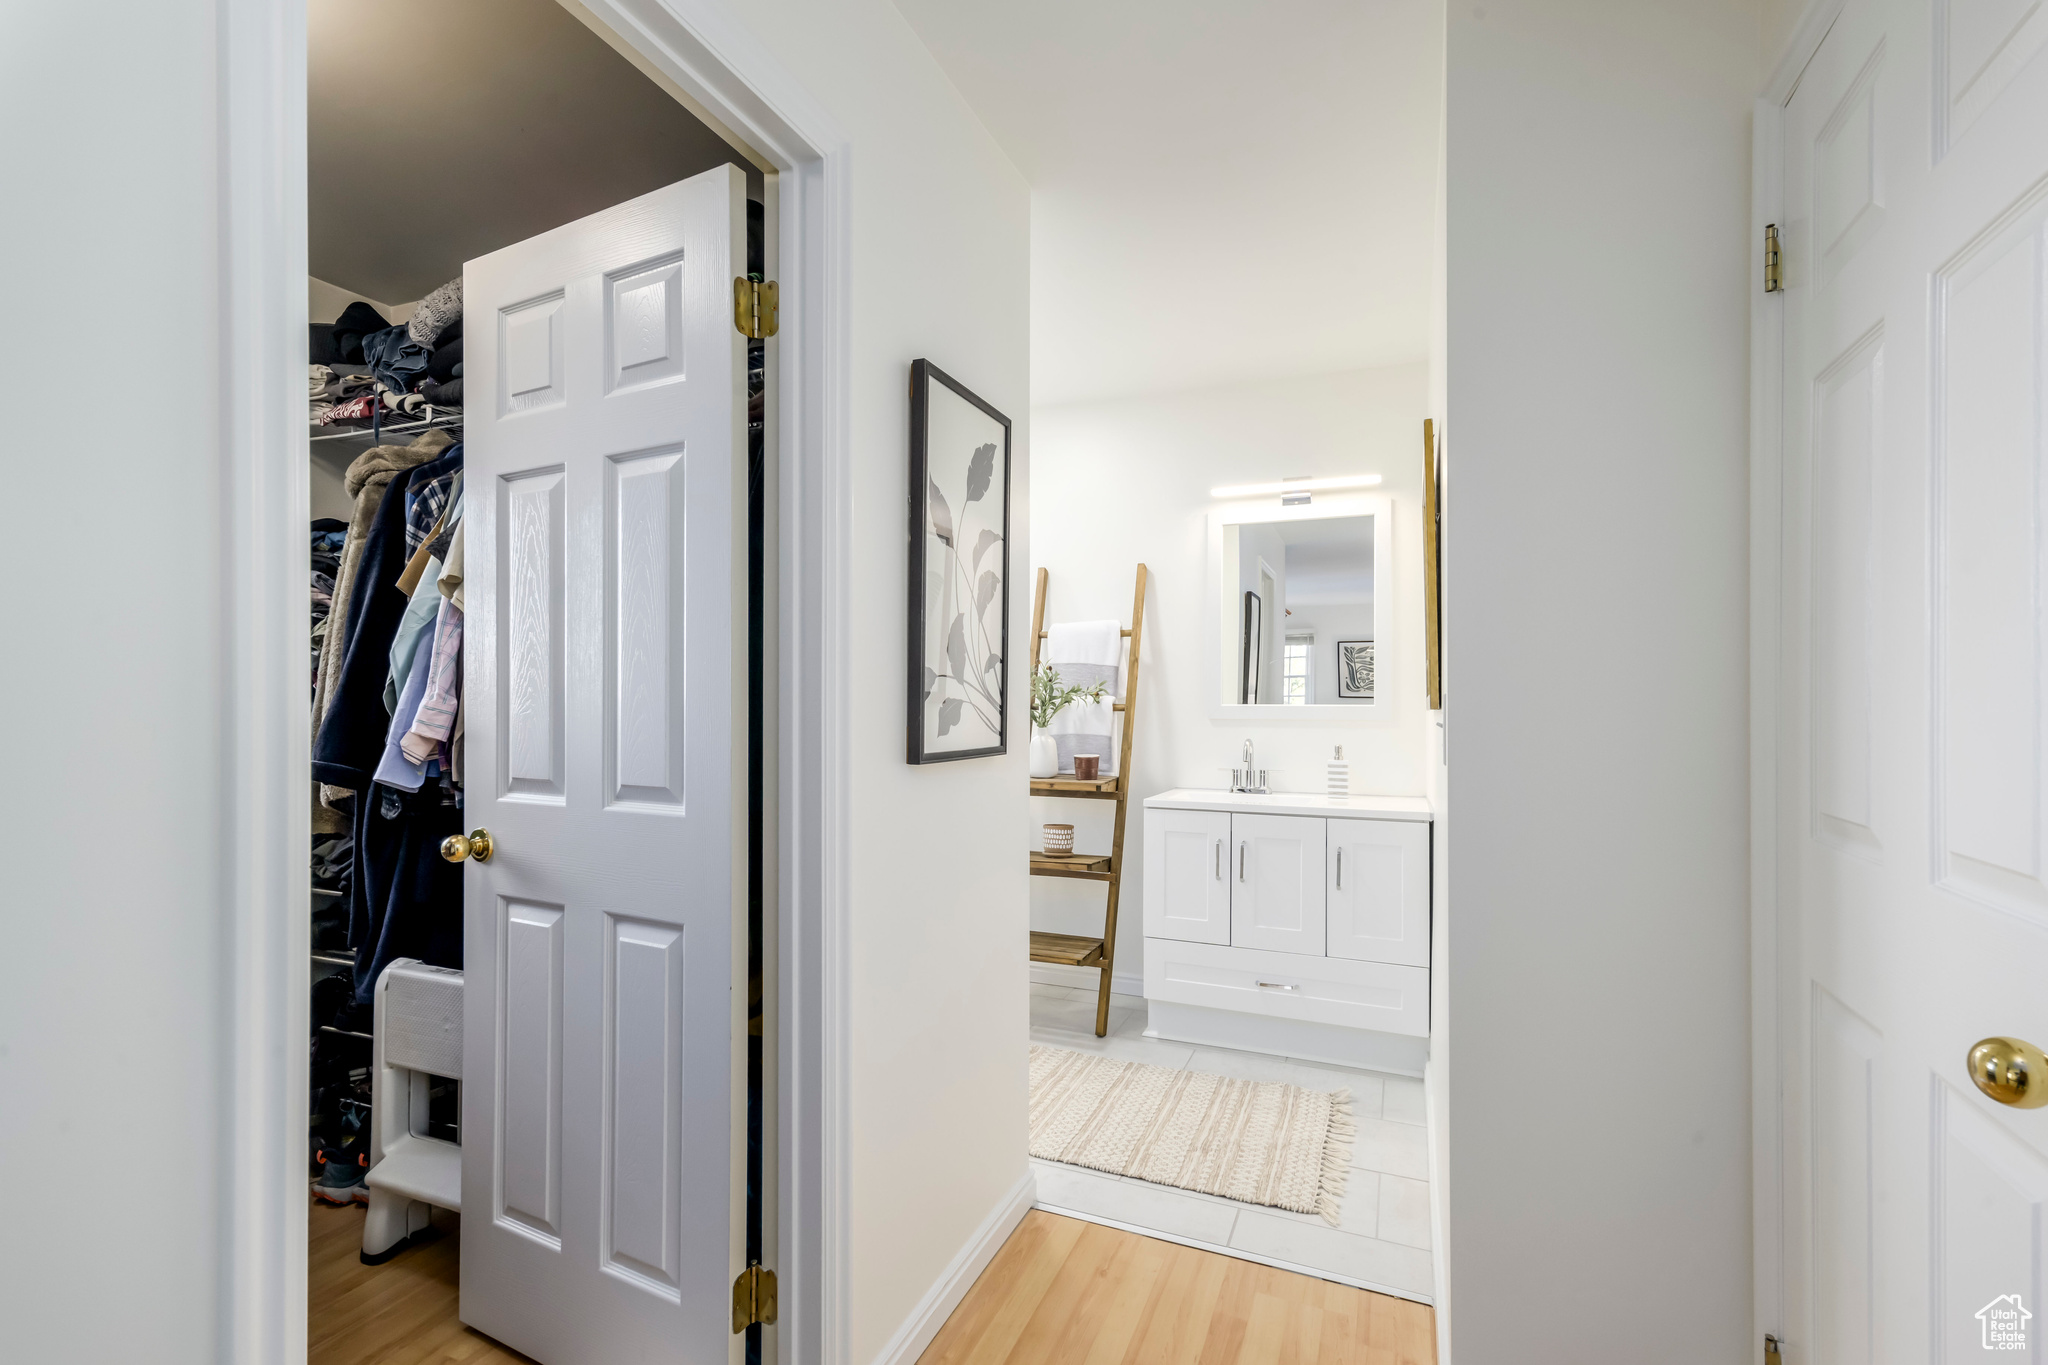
{"points": [[1766, 586], [697, 50]]}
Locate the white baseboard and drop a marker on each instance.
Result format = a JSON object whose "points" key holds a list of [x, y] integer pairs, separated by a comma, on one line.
{"points": [[1302, 1039], [1087, 978], [943, 1297]]}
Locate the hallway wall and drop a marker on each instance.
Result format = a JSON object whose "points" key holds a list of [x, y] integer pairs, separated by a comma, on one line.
{"points": [[114, 1043], [936, 917], [1597, 923], [111, 1024]]}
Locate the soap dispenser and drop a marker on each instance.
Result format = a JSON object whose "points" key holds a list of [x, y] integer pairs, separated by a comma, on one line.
{"points": [[1340, 777]]}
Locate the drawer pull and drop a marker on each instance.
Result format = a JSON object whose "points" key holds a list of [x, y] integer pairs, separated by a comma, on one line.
{"points": [[1277, 986]]}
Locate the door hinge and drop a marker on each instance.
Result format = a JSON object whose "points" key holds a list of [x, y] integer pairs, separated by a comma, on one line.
{"points": [[1771, 1355], [753, 1297], [754, 307], [1774, 273]]}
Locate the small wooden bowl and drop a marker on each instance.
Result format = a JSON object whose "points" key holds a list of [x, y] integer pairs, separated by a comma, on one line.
{"points": [[1059, 838], [1087, 767]]}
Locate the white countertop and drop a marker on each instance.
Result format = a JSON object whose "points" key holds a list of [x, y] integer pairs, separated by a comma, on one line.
{"points": [[1362, 805]]}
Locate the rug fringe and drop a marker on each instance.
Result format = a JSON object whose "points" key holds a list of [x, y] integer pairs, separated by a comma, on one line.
{"points": [[1337, 1158]]}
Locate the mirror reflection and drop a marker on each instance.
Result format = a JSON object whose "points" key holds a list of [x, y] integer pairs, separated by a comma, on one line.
{"points": [[1302, 599]]}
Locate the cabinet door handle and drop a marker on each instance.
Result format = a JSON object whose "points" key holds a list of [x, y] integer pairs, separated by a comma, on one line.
{"points": [[1340, 869], [1240, 861], [1216, 859]]}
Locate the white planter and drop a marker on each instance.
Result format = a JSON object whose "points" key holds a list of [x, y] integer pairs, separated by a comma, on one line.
{"points": [[1045, 755]]}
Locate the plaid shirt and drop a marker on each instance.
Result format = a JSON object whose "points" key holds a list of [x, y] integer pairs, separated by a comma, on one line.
{"points": [[426, 499]]}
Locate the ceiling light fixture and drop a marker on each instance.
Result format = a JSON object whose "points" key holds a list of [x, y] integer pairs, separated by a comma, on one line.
{"points": [[1287, 486]]}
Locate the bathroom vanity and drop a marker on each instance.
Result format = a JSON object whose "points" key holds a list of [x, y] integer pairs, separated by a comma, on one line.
{"points": [[1290, 923]]}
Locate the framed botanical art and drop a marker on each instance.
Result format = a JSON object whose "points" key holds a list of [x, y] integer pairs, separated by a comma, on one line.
{"points": [[1354, 670], [959, 626]]}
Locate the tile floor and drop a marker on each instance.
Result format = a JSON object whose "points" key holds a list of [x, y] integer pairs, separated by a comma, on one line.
{"points": [[1383, 1240]]}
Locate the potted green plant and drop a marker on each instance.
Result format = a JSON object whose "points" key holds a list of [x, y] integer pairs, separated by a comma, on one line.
{"points": [[1049, 697]]}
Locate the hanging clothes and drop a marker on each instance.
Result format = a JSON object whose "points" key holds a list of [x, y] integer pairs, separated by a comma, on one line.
{"points": [[434, 718], [415, 628], [366, 479], [451, 569], [406, 899], [351, 738], [397, 768]]}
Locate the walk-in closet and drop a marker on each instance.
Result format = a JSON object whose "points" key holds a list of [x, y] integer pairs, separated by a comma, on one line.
{"points": [[439, 136]]}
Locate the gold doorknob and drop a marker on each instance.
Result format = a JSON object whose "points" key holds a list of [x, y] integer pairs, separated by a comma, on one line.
{"points": [[2010, 1071], [475, 844]]}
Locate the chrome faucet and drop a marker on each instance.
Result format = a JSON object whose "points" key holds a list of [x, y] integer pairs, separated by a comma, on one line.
{"points": [[1248, 779]]}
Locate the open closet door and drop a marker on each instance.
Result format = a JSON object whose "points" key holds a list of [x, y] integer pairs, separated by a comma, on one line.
{"points": [[1912, 699], [605, 585]]}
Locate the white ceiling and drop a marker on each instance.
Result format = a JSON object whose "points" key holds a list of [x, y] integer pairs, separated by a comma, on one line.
{"points": [[1222, 190], [438, 132]]}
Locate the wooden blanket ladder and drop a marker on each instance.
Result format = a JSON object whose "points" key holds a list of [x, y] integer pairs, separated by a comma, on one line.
{"points": [[1071, 950]]}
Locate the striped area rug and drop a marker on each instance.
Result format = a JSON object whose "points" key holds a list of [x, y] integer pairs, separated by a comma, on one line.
{"points": [[1262, 1142]]}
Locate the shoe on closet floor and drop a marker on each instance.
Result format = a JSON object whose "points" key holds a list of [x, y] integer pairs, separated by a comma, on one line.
{"points": [[341, 1177], [345, 1159]]}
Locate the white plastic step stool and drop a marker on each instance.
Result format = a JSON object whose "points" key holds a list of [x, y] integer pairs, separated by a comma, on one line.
{"points": [[418, 1032]]}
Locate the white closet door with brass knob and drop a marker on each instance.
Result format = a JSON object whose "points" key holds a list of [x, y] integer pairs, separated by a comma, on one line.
{"points": [[605, 725], [1907, 712]]}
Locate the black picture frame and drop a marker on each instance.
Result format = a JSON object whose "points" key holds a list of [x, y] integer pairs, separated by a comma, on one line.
{"points": [[979, 700], [1252, 658], [1348, 673]]}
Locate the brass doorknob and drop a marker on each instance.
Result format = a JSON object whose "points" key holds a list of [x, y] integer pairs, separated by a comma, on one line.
{"points": [[2010, 1071], [475, 844]]}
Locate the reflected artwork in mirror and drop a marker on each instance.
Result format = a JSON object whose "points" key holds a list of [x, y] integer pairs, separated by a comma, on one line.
{"points": [[1300, 594]]}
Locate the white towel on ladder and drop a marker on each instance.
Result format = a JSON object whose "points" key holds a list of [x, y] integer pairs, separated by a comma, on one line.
{"points": [[1084, 653]]}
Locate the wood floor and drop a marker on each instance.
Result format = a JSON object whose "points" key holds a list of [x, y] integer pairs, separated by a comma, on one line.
{"points": [[1068, 1291], [398, 1313], [1060, 1290]]}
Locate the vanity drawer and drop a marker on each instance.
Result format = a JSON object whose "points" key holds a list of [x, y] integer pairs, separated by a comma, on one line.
{"points": [[1372, 995]]}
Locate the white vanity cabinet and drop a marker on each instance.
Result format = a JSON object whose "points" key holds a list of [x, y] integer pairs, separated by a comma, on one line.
{"points": [[1276, 901], [1378, 896], [1293, 912], [1187, 885]]}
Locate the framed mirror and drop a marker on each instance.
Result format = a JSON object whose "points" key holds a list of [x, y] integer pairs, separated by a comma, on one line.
{"points": [[1302, 609]]}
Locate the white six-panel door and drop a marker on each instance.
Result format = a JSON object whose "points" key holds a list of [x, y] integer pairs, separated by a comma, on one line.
{"points": [[1276, 895], [605, 719], [1187, 882], [1912, 803]]}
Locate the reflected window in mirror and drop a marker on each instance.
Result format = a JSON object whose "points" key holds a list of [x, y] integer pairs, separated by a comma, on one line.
{"points": [[1297, 664]]}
